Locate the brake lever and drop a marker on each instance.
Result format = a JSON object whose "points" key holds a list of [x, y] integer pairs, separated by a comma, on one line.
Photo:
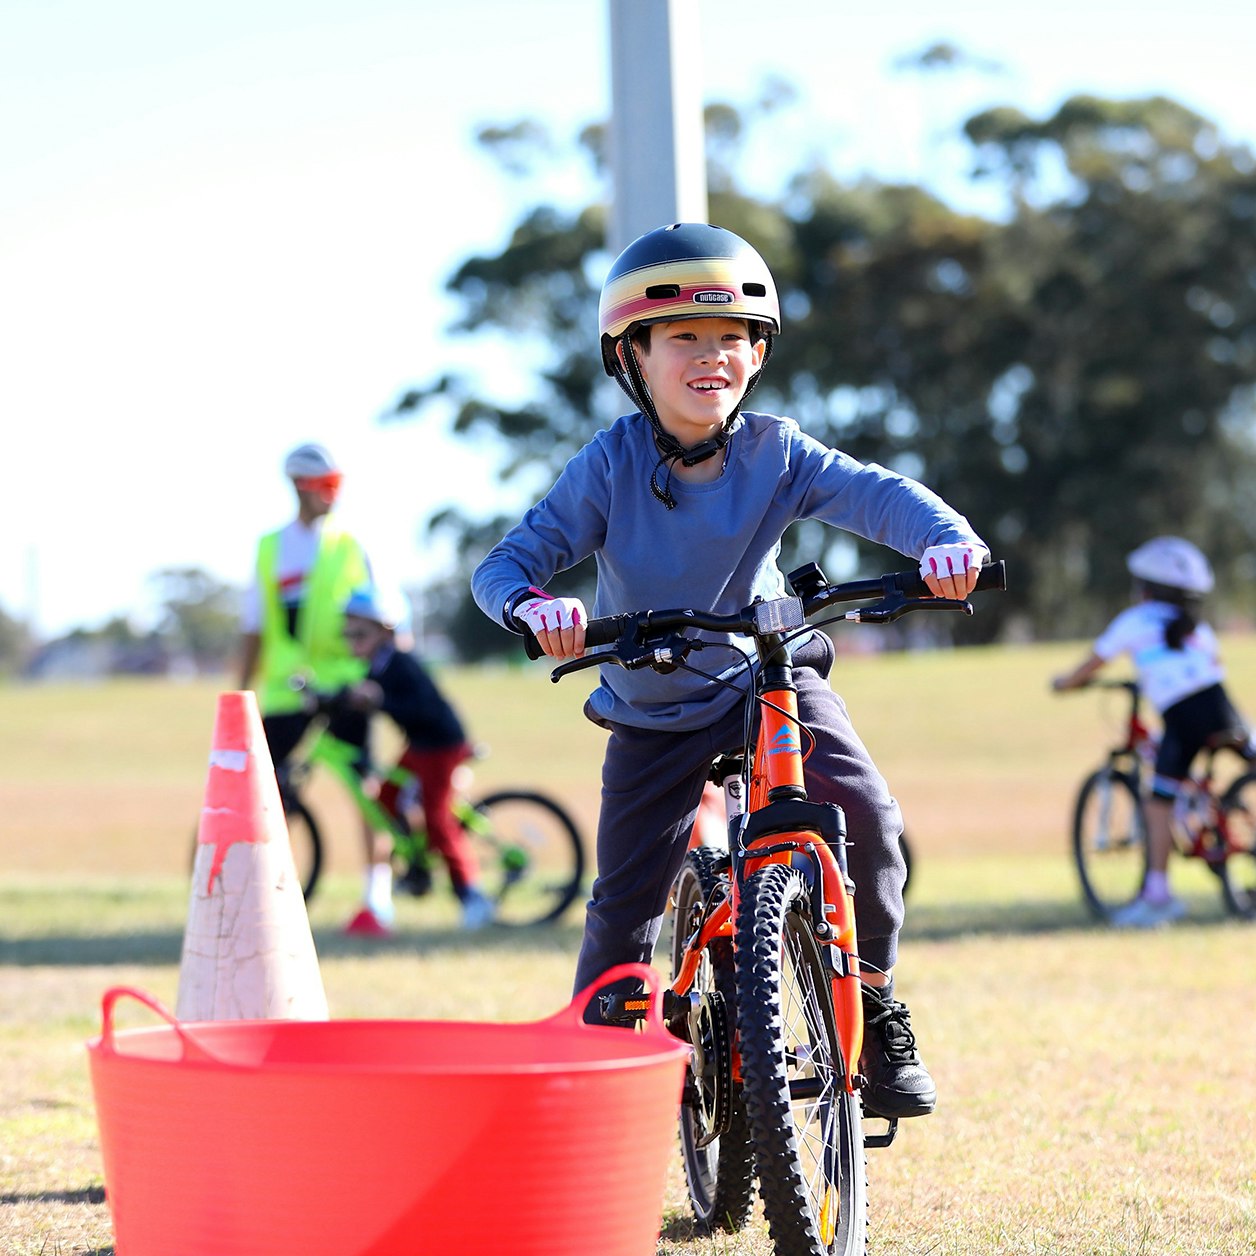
{"points": [[663, 658], [578, 665], [890, 609]]}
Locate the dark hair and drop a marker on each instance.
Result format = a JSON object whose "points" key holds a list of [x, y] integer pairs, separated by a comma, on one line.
{"points": [[640, 335], [1185, 621]]}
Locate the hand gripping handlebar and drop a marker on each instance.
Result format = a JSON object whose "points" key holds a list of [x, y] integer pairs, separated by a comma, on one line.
{"points": [[895, 594]]}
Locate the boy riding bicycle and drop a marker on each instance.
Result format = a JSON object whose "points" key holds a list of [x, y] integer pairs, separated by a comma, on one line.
{"points": [[397, 684], [1179, 669], [684, 503]]}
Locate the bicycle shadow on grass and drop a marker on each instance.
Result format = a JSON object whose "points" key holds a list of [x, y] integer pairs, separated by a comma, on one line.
{"points": [[88, 1195], [941, 921], [144, 948], [564, 938], [158, 947]]}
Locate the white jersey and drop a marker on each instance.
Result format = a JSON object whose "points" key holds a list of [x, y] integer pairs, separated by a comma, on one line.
{"points": [[1166, 676], [298, 548]]}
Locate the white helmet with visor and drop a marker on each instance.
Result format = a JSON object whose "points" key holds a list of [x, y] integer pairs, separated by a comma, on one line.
{"points": [[1174, 563]]}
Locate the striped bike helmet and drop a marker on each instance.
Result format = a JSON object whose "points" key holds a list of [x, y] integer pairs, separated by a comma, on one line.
{"points": [[686, 270]]}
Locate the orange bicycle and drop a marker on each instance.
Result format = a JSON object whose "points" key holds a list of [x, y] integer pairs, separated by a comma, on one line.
{"points": [[765, 968]]}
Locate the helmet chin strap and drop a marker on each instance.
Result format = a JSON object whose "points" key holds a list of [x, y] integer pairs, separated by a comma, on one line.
{"points": [[670, 449]]}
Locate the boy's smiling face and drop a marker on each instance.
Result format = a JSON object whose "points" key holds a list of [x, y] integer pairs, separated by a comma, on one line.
{"points": [[697, 370]]}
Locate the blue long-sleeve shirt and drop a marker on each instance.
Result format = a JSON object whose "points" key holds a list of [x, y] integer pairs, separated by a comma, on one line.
{"points": [[716, 550]]}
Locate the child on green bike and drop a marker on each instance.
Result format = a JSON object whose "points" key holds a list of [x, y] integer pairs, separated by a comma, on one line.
{"points": [[397, 684], [684, 503], [1179, 669]]}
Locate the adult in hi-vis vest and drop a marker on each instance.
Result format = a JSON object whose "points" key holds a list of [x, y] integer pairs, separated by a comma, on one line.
{"points": [[293, 629]]}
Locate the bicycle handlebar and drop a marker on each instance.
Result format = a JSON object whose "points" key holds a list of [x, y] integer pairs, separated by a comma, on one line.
{"points": [[899, 593], [1131, 686]]}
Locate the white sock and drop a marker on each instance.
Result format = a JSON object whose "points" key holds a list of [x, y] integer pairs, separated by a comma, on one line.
{"points": [[379, 892], [1156, 887]]}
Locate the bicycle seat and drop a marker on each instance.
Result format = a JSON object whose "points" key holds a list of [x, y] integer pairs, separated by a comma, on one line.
{"points": [[1237, 739], [724, 766]]}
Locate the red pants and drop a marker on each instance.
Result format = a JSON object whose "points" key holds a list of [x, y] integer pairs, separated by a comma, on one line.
{"points": [[434, 770]]}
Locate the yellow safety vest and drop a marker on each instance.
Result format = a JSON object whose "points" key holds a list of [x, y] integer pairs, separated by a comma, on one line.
{"points": [[317, 652]]}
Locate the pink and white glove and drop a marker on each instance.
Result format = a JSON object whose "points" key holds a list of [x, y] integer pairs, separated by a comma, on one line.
{"points": [[556, 622], [951, 571]]}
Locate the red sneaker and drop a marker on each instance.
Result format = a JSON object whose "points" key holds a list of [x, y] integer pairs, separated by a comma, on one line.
{"points": [[366, 924]]}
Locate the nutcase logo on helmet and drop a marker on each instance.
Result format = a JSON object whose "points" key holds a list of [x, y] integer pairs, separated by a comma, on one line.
{"points": [[713, 296]]}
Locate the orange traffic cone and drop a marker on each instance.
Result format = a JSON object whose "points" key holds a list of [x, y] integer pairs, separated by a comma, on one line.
{"points": [[247, 950]]}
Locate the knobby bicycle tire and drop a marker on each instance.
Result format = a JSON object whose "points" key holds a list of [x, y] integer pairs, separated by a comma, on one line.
{"points": [[806, 1126], [530, 856], [306, 842], [719, 1174], [1238, 872], [1109, 841]]}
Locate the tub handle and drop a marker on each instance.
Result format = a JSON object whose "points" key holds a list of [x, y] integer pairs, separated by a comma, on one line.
{"points": [[653, 1023], [192, 1050]]}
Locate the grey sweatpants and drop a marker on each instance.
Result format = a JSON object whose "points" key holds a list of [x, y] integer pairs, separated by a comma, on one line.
{"points": [[651, 786]]}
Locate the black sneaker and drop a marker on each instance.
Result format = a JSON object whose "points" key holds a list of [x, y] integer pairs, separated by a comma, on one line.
{"points": [[898, 1084]]}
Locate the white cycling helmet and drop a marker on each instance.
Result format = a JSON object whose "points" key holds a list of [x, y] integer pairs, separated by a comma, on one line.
{"points": [[309, 461], [1174, 563]]}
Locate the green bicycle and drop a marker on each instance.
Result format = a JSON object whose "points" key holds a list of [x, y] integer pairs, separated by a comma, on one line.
{"points": [[527, 845]]}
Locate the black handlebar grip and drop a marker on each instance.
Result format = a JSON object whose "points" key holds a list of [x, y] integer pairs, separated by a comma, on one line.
{"points": [[605, 630], [596, 632], [993, 577]]}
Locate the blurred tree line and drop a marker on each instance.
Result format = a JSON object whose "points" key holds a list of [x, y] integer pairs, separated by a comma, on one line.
{"points": [[1074, 373], [196, 630]]}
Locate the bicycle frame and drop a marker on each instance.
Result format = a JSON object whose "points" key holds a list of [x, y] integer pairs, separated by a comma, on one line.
{"points": [[776, 778], [767, 972], [1197, 815], [339, 757]]}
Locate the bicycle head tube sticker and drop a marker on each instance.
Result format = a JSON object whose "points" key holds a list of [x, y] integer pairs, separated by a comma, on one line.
{"points": [[784, 741]]}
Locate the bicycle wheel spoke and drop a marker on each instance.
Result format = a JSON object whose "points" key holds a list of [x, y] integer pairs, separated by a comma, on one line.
{"points": [[813, 1082], [717, 1168], [530, 856], [807, 1130], [1238, 871], [1109, 841]]}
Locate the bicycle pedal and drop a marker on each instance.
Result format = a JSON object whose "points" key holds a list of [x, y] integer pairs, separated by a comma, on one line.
{"points": [[885, 1139], [619, 1009], [415, 883]]}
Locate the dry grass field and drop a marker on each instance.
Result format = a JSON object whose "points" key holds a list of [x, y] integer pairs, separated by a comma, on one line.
{"points": [[1098, 1093]]}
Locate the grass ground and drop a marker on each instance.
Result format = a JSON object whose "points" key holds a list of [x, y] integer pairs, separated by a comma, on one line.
{"points": [[1097, 1089]]}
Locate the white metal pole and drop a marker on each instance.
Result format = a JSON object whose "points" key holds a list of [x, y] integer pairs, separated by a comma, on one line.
{"points": [[657, 148]]}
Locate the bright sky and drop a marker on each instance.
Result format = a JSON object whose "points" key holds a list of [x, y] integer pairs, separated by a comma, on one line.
{"points": [[225, 229]]}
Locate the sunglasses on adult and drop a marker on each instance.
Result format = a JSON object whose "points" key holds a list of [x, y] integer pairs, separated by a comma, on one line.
{"points": [[329, 483]]}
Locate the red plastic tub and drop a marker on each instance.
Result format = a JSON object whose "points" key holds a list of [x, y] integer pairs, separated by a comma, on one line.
{"points": [[386, 1138]]}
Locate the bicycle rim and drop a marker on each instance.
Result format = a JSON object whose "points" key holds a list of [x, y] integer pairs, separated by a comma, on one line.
{"points": [[530, 856], [1109, 841], [718, 1165], [806, 1127], [307, 845], [1238, 872]]}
